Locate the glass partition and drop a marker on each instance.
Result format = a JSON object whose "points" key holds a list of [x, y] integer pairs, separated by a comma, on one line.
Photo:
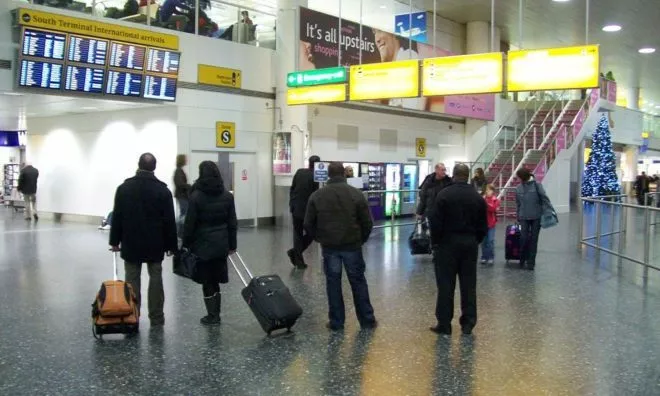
{"points": [[243, 21]]}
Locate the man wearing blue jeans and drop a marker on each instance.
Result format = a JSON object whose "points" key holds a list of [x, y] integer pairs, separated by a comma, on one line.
{"points": [[338, 217]]}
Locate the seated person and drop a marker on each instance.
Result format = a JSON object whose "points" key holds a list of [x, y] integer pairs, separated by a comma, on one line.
{"points": [[172, 14]]}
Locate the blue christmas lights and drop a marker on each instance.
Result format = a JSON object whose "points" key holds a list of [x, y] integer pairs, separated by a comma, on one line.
{"points": [[600, 177]]}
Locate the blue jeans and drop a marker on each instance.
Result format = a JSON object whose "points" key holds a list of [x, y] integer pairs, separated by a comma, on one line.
{"points": [[488, 245], [353, 261]]}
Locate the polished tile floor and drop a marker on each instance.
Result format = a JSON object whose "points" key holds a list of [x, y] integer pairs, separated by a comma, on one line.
{"points": [[570, 328]]}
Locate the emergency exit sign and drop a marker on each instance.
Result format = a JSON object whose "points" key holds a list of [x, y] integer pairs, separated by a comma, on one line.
{"points": [[332, 75]]}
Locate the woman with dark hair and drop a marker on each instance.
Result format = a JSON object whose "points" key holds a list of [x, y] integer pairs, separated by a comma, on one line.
{"points": [[210, 234], [479, 181], [530, 198]]}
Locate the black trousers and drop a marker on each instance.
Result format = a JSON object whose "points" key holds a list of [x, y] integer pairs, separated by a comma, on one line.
{"points": [[455, 257], [529, 240], [301, 240]]}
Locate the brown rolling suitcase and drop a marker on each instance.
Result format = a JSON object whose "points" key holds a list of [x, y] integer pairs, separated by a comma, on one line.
{"points": [[115, 309]]}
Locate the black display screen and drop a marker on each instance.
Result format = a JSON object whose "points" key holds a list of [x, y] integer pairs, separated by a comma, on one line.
{"points": [[162, 61], [84, 79], [43, 44], [127, 56], [124, 83], [160, 88], [40, 74], [87, 50]]}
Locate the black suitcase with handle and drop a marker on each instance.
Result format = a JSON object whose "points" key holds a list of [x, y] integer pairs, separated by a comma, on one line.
{"points": [[269, 299]]}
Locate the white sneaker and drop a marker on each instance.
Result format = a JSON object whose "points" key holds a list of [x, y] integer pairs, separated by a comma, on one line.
{"points": [[491, 262]]}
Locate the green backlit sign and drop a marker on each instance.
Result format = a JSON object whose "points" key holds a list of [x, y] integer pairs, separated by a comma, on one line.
{"points": [[332, 75]]}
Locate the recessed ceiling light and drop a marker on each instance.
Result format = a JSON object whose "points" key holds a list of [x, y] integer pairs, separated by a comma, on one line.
{"points": [[646, 50], [611, 28], [89, 108], [383, 6]]}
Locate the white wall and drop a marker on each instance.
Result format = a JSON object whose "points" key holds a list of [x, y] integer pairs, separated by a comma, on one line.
{"points": [[197, 115], [445, 141], [83, 158], [627, 126]]}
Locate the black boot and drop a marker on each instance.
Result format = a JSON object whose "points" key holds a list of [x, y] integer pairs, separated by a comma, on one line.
{"points": [[213, 309]]}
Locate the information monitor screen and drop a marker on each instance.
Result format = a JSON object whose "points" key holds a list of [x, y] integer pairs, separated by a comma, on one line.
{"points": [[87, 50], [40, 74], [163, 61], [127, 56], [84, 79], [160, 88], [124, 83], [43, 44]]}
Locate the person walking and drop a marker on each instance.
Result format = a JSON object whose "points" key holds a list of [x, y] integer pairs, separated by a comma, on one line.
{"points": [[530, 198], [302, 187], [642, 188], [432, 185], [143, 230], [210, 233], [458, 226], [181, 186], [492, 206], [27, 185], [338, 218]]}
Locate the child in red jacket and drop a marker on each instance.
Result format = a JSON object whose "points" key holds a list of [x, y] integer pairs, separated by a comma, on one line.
{"points": [[488, 246]]}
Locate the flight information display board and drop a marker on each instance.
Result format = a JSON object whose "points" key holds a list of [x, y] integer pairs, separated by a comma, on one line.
{"points": [[162, 61], [40, 74], [87, 50], [124, 83], [43, 44], [160, 88], [84, 79], [127, 56]]}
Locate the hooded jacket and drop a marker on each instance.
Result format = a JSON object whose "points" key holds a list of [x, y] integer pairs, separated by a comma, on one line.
{"points": [[211, 225]]}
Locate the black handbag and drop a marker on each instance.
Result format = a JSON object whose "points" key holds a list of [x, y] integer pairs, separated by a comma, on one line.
{"points": [[186, 264]]}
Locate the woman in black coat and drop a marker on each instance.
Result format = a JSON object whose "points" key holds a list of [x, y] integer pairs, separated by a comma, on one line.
{"points": [[210, 233]]}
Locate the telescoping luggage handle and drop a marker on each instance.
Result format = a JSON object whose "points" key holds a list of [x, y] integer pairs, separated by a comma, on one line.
{"points": [[115, 275], [247, 270]]}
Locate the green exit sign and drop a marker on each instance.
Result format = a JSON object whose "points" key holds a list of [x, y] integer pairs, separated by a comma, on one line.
{"points": [[332, 75]]}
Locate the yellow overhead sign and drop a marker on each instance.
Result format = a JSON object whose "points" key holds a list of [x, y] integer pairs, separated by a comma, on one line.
{"points": [[218, 76], [89, 27], [385, 80], [464, 74], [316, 94], [420, 147], [556, 68], [225, 134]]}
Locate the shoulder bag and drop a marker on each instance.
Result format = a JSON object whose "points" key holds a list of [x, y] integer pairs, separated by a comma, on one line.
{"points": [[548, 215]]}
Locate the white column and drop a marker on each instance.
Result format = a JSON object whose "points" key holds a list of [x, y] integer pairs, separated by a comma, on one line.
{"points": [[633, 98], [479, 133], [293, 118]]}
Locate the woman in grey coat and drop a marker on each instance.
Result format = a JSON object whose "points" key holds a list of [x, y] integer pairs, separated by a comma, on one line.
{"points": [[530, 198]]}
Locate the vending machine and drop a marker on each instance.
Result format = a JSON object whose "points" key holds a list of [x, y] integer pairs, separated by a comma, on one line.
{"points": [[376, 174], [410, 183], [392, 183]]}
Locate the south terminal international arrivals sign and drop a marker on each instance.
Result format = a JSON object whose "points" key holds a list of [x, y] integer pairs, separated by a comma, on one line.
{"points": [[88, 27]]}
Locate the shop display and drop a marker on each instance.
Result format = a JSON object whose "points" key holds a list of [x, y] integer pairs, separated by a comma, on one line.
{"points": [[12, 171], [393, 183]]}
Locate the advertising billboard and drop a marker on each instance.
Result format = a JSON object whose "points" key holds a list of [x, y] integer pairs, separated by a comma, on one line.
{"points": [[322, 46]]}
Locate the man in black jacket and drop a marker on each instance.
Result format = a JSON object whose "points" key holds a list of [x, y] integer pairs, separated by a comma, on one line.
{"points": [[458, 225], [27, 185], [143, 229], [302, 187], [338, 218], [432, 185]]}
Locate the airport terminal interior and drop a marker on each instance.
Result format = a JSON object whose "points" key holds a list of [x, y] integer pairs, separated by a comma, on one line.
{"points": [[397, 94]]}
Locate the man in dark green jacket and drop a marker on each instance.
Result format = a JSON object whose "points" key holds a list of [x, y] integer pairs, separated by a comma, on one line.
{"points": [[338, 218]]}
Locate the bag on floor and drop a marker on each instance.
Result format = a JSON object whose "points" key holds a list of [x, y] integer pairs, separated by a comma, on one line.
{"points": [[419, 242], [115, 309], [512, 243], [269, 299]]}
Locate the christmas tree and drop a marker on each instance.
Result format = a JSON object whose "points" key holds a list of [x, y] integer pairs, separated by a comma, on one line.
{"points": [[600, 174]]}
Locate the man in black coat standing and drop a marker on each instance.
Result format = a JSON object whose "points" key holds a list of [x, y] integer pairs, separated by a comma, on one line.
{"points": [[458, 225], [143, 230], [302, 187], [432, 185]]}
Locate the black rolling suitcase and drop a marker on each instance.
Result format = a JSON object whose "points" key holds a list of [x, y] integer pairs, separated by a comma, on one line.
{"points": [[269, 299], [419, 242]]}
